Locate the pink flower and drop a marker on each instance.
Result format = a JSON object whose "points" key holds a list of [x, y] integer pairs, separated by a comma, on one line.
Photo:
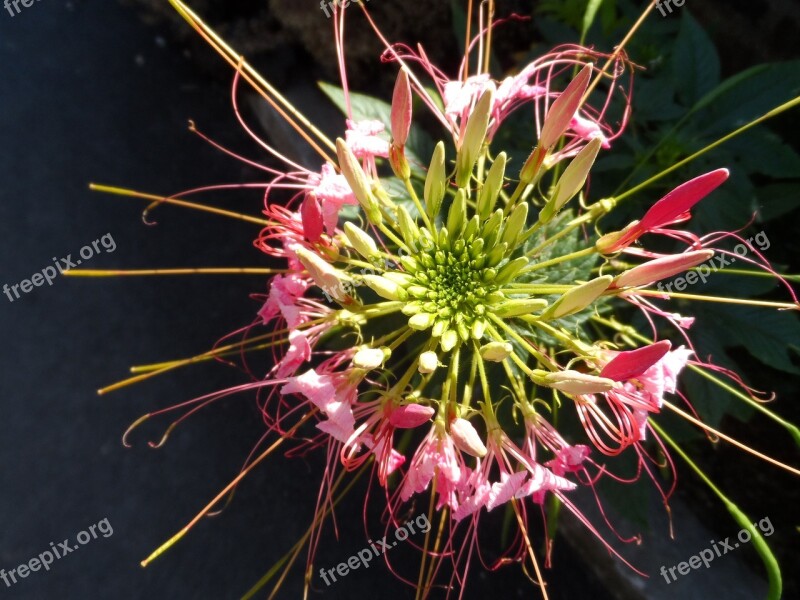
{"points": [[284, 292], [646, 375], [299, 352], [329, 193], [363, 139], [332, 395], [587, 130], [436, 457]]}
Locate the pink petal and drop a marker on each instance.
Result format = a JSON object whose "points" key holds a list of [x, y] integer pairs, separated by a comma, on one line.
{"points": [[505, 489], [629, 364], [299, 352]]}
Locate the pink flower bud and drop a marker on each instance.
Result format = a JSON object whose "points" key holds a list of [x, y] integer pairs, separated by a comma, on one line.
{"points": [[661, 268], [466, 438], [559, 117], [409, 416], [401, 109]]}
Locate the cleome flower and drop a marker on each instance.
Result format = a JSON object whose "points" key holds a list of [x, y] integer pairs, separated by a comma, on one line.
{"points": [[461, 303]]}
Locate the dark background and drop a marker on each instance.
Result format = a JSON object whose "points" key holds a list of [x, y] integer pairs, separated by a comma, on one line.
{"points": [[90, 93]]}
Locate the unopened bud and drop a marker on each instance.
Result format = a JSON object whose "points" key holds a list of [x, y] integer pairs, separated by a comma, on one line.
{"points": [[409, 416], [661, 268], [496, 351], [360, 240], [358, 182], [371, 358], [575, 382], [558, 118], [474, 137], [331, 280], [491, 187], [578, 298], [572, 180], [466, 438], [428, 362], [518, 307], [401, 109], [385, 288]]}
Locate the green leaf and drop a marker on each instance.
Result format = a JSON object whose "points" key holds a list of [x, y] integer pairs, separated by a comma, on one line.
{"points": [[589, 16], [761, 151], [749, 95], [695, 63], [769, 335]]}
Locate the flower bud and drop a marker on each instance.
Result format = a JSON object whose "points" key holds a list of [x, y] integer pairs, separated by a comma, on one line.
{"points": [[575, 382], [532, 168], [360, 240], [571, 181], [435, 182], [558, 118], [661, 268], [491, 187], [520, 306], [428, 362], [421, 321], [514, 225], [357, 180], [466, 438], [578, 298], [371, 358], [409, 416], [455, 216], [331, 280], [474, 137], [401, 109], [449, 340], [496, 351], [385, 288]]}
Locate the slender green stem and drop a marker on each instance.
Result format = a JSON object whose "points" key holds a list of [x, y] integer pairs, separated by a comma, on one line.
{"points": [[760, 545]]}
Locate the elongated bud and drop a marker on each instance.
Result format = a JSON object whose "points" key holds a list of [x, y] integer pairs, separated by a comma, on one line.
{"points": [[428, 362], [514, 225], [331, 280], [474, 137], [385, 288], [360, 240], [558, 118], [408, 228], [410, 416], [455, 216], [358, 182], [575, 382], [496, 351], [532, 168], [466, 438], [401, 109], [578, 298], [511, 269], [572, 180], [435, 182], [661, 268], [371, 358], [520, 306], [491, 187]]}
